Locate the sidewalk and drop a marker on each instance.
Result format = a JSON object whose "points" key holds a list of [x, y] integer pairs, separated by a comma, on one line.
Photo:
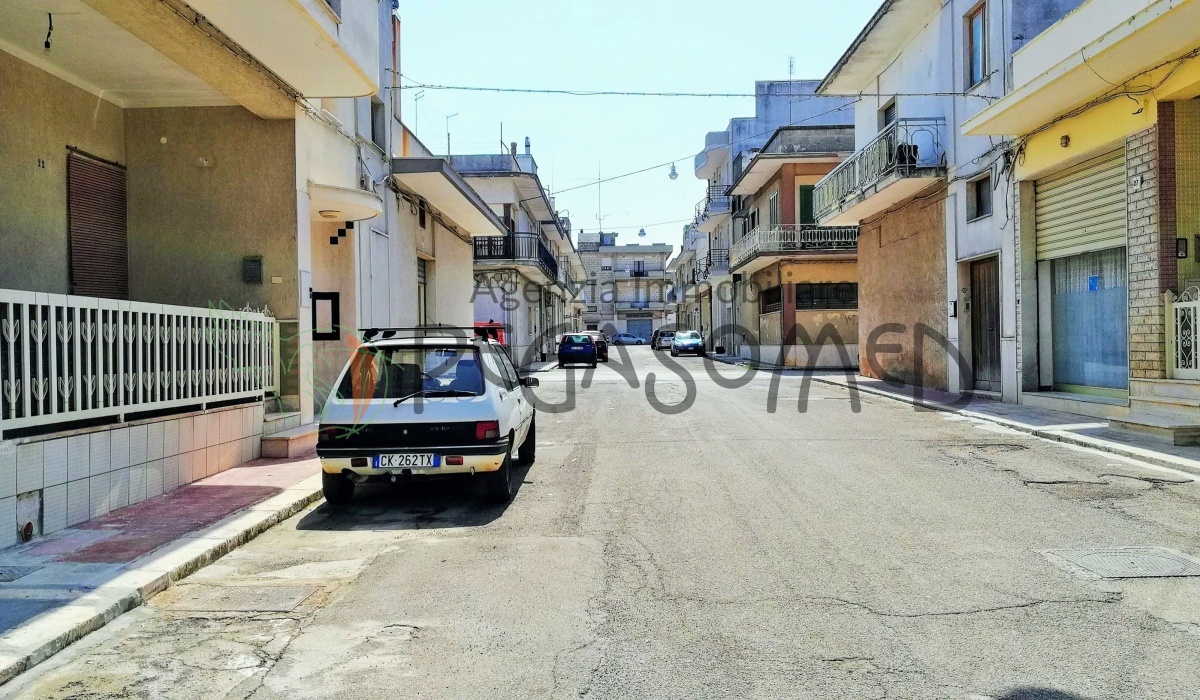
{"points": [[1069, 428], [55, 590]]}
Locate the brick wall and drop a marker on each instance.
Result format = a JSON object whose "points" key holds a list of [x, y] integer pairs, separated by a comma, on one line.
{"points": [[902, 279], [1147, 257]]}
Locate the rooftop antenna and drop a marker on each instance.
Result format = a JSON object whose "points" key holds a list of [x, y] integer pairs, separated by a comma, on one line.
{"points": [[791, 67], [417, 114]]}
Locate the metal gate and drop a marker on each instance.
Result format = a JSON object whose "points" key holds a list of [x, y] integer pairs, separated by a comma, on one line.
{"points": [[985, 324], [642, 328]]}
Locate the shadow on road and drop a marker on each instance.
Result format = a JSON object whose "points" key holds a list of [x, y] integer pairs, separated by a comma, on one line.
{"points": [[1039, 694], [456, 501]]}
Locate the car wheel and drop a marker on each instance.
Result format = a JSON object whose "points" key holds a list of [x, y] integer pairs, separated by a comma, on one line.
{"points": [[674, 354], [640, 343], [338, 490], [499, 482], [529, 448]]}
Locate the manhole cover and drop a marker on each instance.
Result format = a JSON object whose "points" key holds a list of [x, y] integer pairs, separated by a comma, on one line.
{"points": [[12, 573], [242, 599], [1131, 562]]}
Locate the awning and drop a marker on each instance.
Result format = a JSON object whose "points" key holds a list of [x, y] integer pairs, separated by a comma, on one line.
{"points": [[764, 166], [332, 203], [447, 192]]}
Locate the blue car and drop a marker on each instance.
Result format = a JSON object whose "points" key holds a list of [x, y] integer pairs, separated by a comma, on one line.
{"points": [[687, 342], [577, 349]]}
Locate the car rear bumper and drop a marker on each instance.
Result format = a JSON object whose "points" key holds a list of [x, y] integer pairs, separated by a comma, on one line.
{"points": [[475, 458], [575, 358]]}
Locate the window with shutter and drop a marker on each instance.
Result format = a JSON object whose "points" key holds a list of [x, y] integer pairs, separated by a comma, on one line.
{"points": [[97, 228]]}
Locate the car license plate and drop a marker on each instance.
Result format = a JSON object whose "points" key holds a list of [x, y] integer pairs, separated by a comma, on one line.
{"points": [[420, 460]]}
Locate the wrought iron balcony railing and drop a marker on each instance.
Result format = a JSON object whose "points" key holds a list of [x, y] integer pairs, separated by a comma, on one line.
{"points": [[782, 240], [715, 202], [525, 248], [905, 148]]}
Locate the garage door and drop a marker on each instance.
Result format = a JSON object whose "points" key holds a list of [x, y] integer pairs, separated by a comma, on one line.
{"points": [[642, 328], [1082, 209]]}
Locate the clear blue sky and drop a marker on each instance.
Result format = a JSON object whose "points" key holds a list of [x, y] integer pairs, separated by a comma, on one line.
{"points": [[648, 45]]}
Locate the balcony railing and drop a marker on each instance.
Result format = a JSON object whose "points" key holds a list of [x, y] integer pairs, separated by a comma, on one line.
{"points": [[641, 305], [526, 248], [717, 262], [647, 272], [904, 148], [66, 358], [782, 240], [715, 202]]}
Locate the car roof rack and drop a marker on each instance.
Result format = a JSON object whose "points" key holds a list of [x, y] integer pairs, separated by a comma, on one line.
{"points": [[462, 332]]}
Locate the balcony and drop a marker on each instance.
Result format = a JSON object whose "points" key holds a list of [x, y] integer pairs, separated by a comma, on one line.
{"points": [[65, 359], [904, 159], [716, 265], [640, 273], [758, 248], [713, 209], [525, 251], [623, 307]]}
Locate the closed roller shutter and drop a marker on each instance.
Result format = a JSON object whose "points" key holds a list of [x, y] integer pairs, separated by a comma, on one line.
{"points": [[1082, 209], [96, 223]]}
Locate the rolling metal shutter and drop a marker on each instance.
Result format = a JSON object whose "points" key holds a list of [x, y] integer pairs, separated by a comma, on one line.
{"points": [[96, 225], [1082, 209]]}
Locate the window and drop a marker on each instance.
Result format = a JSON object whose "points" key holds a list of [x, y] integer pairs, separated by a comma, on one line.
{"points": [[827, 296], [771, 300], [979, 198], [422, 271], [421, 213], [976, 44], [773, 209], [379, 124], [887, 115], [807, 214], [98, 239], [392, 373]]}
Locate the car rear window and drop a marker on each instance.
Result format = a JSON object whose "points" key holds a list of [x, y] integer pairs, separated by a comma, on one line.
{"points": [[688, 335], [396, 372], [578, 339]]}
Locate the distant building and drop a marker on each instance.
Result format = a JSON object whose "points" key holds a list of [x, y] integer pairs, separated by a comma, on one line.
{"points": [[626, 290]]}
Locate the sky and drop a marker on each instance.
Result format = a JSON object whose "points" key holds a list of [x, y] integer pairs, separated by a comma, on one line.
{"points": [[646, 45]]}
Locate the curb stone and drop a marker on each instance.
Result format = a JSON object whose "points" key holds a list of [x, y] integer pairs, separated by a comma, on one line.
{"points": [[142, 580], [1160, 459]]}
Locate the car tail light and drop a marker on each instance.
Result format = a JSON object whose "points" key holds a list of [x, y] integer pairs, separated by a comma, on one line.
{"points": [[487, 430], [328, 433], [454, 460]]}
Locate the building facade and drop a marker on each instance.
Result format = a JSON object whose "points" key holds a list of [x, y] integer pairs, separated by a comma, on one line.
{"points": [[529, 279], [1105, 208], [196, 227], [937, 260], [777, 103], [627, 285]]}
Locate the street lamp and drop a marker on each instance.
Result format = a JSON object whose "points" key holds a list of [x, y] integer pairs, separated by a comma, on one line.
{"points": [[642, 233], [674, 174]]}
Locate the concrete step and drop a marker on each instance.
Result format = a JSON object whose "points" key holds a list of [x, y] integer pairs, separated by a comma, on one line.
{"points": [[290, 443], [1160, 403], [279, 422], [1171, 429]]}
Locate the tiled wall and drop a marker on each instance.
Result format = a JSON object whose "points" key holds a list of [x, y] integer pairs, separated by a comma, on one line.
{"points": [[87, 475]]}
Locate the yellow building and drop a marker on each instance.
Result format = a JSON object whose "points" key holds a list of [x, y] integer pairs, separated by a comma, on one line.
{"points": [[1107, 161]]}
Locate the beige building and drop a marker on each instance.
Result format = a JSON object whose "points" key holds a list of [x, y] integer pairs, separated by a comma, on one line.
{"points": [[194, 228], [627, 285]]}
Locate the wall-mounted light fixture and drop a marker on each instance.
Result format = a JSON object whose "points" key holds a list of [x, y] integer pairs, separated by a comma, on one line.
{"points": [[1065, 141]]}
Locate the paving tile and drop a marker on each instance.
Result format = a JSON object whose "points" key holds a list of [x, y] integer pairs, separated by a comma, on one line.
{"points": [[54, 462], [119, 448], [154, 441], [137, 445], [79, 457], [118, 488], [154, 478], [8, 521], [101, 453], [29, 467], [137, 484], [100, 494], [79, 502], [8, 470], [54, 508], [171, 438]]}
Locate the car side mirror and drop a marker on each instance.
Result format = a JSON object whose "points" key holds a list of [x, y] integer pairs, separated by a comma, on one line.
{"points": [[531, 382]]}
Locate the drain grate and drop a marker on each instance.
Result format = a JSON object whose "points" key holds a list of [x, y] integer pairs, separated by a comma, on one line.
{"points": [[242, 599], [8, 574], [1131, 562]]}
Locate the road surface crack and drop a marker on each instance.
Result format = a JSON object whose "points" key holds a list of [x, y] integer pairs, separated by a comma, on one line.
{"points": [[969, 611]]}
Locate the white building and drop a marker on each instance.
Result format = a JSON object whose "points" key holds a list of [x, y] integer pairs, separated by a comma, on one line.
{"points": [[529, 278], [627, 285]]}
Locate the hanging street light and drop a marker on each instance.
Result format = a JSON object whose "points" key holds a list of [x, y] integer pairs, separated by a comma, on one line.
{"points": [[674, 174], [642, 233]]}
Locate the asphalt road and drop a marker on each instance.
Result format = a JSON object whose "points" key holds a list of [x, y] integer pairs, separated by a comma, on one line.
{"points": [[722, 551]]}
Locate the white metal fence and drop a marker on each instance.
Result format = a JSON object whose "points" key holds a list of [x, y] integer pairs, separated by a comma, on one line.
{"points": [[67, 358], [1183, 336]]}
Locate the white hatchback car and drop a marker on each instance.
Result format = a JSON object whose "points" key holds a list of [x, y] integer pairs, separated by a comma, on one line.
{"points": [[425, 406]]}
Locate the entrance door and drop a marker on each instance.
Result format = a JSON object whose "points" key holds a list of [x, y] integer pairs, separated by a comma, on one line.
{"points": [[985, 323]]}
